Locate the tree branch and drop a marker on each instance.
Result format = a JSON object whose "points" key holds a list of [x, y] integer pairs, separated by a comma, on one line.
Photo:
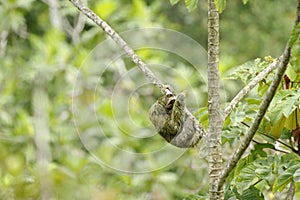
{"points": [[3, 43], [273, 148], [291, 191], [261, 111], [260, 114], [273, 138], [250, 86], [55, 16], [194, 130], [121, 43]]}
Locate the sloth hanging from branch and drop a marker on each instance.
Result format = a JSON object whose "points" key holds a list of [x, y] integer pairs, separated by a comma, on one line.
{"points": [[169, 115], [174, 122]]}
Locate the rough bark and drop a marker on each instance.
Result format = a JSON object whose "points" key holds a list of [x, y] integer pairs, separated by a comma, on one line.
{"points": [[214, 114]]}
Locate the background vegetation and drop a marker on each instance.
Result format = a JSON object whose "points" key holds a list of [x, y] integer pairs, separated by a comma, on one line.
{"points": [[40, 58]]}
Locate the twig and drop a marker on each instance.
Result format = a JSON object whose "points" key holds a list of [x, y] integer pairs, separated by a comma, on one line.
{"points": [[121, 42], [55, 16], [78, 27], [273, 148], [257, 182], [250, 85], [3, 43], [273, 138], [291, 191]]}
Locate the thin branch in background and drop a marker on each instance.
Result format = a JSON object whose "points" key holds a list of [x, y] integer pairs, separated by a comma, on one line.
{"points": [[275, 149], [55, 15], [75, 30], [273, 138], [40, 105], [250, 86], [3, 43], [78, 28], [58, 20], [259, 116], [291, 190], [257, 182]]}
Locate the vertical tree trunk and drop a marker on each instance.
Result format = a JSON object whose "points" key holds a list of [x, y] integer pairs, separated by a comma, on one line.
{"points": [[42, 135], [214, 114]]}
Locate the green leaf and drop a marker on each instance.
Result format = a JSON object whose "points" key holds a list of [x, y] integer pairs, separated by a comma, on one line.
{"points": [[248, 70], [245, 1], [284, 103], [286, 134], [173, 2], [220, 4], [287, 158], [263, 145], [246, 176], [295, 49], [259, 149], [196, 197], [282, 181], [263, 172], [229, 195], [241, 165], [295, 35], [191, 4], [105, 8], [286, 177], [297, 175], [252, 193], [291, 73]]}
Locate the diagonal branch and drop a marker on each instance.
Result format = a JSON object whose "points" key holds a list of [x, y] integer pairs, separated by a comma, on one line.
{"points": [[121, 43], [273, 138], [250, 86], [260, 114], [261, 111], [193, 129]]}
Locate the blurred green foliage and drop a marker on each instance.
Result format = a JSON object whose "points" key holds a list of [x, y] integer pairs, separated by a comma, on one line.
{"points": [[33, 48]]}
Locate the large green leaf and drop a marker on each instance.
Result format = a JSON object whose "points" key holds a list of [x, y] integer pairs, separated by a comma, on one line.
{"points": [[247, 176], [282, 181], [292, 74], [284, 104]]}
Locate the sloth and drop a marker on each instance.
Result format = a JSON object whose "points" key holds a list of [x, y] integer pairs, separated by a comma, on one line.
{"points": [[174, 122]]}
